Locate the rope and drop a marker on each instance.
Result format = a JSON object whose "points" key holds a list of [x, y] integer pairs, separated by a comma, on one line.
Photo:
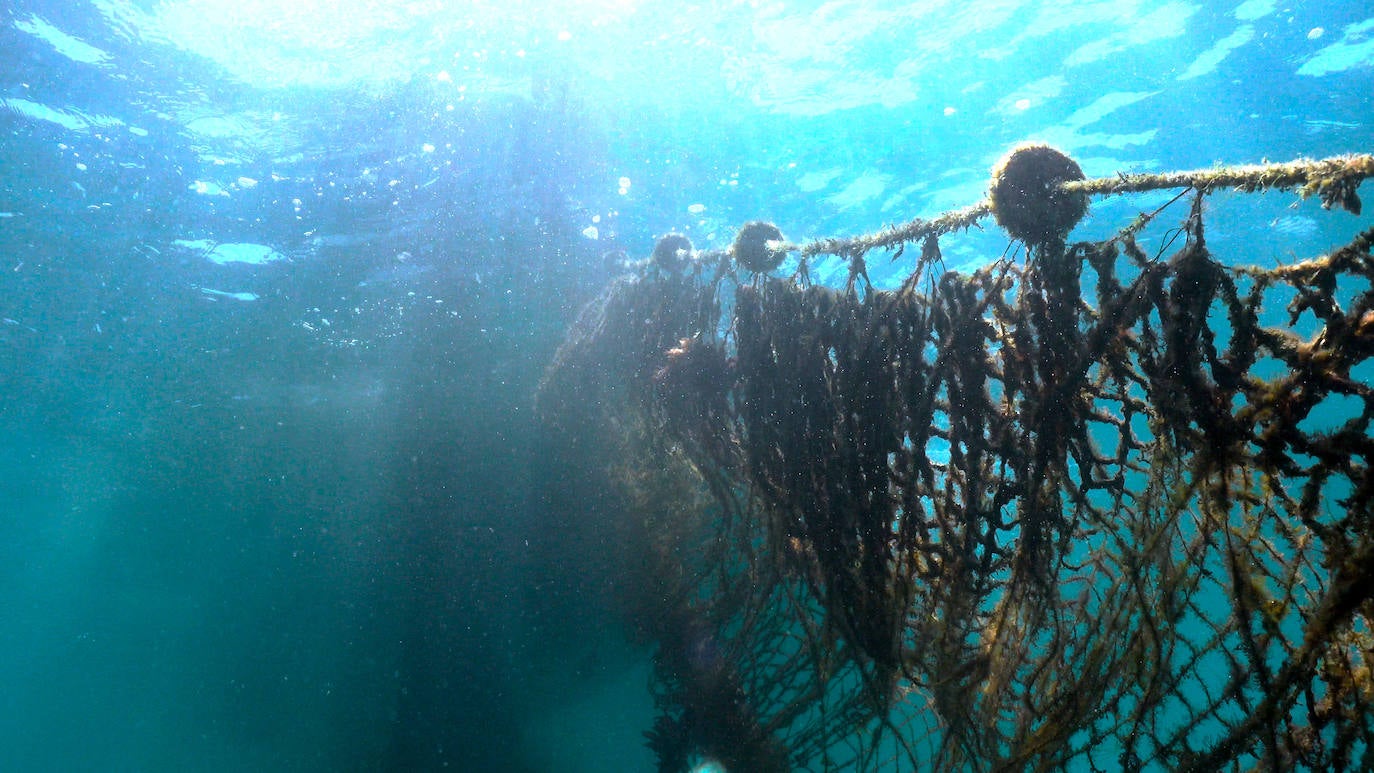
{"points": [[1333, 179]]}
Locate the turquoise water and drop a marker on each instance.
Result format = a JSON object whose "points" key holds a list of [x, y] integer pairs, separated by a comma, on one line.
{"points": [[278, 282]]}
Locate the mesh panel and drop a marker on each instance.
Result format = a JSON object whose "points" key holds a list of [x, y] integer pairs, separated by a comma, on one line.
{"points": [[1084, 511]]}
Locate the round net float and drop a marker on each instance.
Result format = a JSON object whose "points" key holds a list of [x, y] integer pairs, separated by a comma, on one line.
{"points": [[751, 246], [1025, 195], [671, 252]]}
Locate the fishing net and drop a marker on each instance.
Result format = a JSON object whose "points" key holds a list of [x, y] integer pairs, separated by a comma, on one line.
{"points": [[1087, 506]]}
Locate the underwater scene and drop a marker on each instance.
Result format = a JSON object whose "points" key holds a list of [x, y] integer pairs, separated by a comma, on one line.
{"points": [[739, 385]]}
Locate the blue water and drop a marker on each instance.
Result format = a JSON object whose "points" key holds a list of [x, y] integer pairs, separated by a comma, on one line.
{"points": [[278, 281]]}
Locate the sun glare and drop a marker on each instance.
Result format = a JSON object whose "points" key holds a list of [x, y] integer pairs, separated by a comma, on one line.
{"points": [[335, 42]]}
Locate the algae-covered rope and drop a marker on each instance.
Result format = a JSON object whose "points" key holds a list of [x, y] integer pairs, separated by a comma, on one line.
{"points": [[1333, 179]]}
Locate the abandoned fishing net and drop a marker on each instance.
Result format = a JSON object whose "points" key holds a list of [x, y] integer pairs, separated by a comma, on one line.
{"points": [[1070, 510]]}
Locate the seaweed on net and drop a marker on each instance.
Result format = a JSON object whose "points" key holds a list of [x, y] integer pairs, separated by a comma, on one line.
{"points": [[1068, 511]]}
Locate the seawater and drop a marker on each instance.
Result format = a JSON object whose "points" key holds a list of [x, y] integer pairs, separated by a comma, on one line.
{"points": [[278, 283]]}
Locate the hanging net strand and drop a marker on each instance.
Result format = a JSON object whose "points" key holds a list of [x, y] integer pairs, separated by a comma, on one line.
{"points": [[1098, 509]]}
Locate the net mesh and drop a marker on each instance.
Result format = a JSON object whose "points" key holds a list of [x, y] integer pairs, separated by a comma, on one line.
{"points": [[1095, 508]]}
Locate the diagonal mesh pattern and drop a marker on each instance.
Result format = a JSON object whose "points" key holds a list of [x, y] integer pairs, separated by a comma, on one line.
{"points": [[1090, 511]]}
